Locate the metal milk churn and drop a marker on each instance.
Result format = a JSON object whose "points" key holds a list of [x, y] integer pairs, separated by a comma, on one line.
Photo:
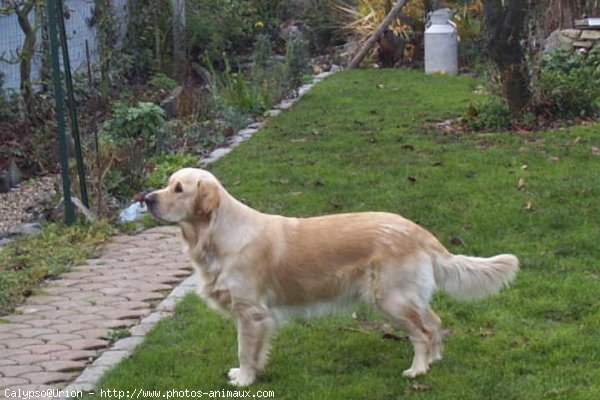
{"points": [[441, 43]]}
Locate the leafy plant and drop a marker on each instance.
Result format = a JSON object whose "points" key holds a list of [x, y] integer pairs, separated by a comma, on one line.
{"points": [[232, 89], [570, 83], [140, 124], [493, 114], [116, 334], [127, 140], [162, 82]]}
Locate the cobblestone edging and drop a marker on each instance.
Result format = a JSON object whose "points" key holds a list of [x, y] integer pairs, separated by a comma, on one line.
{"points": [[57, 341]]}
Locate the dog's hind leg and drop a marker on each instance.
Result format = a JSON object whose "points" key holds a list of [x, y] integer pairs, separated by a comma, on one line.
{"points": [[434, 325], [254, 327], [410, 317]]}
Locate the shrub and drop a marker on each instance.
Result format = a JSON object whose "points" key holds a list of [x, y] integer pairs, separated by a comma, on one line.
{"points": [[140, 125], [320, 26], [234, 90], [216, 26], [570, 83], [267, 74], [493, 115], [242, 94], [263, 47]]}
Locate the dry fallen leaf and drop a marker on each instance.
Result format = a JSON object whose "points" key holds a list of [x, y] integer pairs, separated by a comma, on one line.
{"points": [[528, 206], [380, 86], [229, 132], [15, 267], [521, 184], [524, 167], [458, 241], [486, 332], [553, 159], [595, 151]]}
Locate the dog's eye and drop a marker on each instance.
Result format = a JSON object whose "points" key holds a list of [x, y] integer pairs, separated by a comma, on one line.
{"points": [[178, 188]]}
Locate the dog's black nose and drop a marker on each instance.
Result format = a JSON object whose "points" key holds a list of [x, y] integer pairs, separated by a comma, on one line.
{"points": [[150, 199]]}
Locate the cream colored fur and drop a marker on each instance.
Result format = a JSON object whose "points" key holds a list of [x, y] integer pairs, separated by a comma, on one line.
{"points": [[256, 266]]}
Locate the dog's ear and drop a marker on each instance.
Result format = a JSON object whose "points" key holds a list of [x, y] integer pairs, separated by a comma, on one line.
{"points": [[207, 198]]}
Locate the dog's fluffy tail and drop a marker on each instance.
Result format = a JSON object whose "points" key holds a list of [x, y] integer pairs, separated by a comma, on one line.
{"points": [[467, 278]]}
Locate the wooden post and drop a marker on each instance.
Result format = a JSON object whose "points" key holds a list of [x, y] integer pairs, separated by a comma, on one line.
{"points": [[375, 36]]}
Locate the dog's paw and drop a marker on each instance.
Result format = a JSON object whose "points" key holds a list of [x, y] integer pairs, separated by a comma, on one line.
{"points": [[240, 378], [233, 373], [414, 372]]}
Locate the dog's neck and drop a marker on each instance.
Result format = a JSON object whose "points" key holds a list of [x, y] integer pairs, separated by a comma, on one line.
{"points": [[207, 235]]}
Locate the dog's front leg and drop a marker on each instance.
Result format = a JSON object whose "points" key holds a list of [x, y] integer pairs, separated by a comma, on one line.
{"points": [[254, 328]]}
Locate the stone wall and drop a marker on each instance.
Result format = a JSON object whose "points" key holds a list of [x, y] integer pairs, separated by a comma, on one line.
{"points": [[573, 40]]}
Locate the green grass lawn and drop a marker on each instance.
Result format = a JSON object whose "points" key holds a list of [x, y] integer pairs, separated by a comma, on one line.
{"points": [[359, 142]]}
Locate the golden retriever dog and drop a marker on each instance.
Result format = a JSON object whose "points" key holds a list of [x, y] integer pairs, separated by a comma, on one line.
{"points": [[258, 267]]}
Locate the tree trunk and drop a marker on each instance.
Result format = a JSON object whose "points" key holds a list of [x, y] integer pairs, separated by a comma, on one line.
{"points": [[26, 56], [566, 9], [504, 28], [179, 42]]}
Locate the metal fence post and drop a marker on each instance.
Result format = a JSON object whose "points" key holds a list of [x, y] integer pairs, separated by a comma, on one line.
{"points": [[72, 105], [60, 114]]}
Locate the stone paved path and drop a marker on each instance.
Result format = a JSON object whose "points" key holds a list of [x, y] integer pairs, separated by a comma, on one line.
{"points": [[56, 334]]}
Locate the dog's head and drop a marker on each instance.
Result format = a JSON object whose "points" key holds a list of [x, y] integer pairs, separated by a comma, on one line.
{"points": [[191, 195]]}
